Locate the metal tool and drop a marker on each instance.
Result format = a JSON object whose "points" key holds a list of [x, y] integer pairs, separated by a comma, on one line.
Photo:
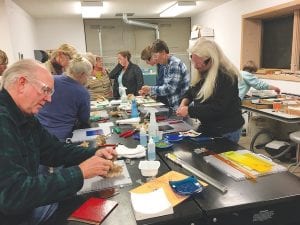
{"points": [[204, 139], [127, 133], [197, 172]]}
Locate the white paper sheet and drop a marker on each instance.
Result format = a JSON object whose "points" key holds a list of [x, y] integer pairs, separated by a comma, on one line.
{"points": [[157, 204]]}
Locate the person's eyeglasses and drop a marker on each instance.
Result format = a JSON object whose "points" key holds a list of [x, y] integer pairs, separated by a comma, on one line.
{"points": [[68, 57], [206, 61], [42, 87], [155, 55]]}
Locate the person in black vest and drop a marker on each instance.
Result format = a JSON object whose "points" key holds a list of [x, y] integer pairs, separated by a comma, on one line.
{"points": [[126, 74]]}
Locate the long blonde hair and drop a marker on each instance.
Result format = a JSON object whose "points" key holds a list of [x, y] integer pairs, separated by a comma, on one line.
{"points": [[209, 49]]}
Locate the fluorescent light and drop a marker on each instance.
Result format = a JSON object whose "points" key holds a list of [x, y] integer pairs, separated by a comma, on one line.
{"points": [[91, 9], [177, 8]]}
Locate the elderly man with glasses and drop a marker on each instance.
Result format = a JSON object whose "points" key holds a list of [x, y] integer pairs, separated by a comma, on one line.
{"points": [[28, 197]]}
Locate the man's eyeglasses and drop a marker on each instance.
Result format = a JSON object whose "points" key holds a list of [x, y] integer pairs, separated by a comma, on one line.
{"points": [[42, 87]]}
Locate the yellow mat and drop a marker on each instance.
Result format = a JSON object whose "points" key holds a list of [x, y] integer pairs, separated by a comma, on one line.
{"points": [[249, 160]]}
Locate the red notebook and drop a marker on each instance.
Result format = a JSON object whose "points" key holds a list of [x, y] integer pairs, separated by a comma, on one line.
{"points": [[93, 211]]}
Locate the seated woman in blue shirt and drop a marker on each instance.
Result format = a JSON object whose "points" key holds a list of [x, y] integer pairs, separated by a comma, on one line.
{"points": [[70, 102], [126, 74], [250, 80]]}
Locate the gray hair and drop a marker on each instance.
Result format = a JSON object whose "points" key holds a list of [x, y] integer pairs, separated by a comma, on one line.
{"points": [[78, 66], [90, 57], [26, 67], [209, 49]]}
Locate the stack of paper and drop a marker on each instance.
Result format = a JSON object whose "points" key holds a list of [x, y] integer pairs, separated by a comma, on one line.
{"points": [[149, 205], [95, 105]]}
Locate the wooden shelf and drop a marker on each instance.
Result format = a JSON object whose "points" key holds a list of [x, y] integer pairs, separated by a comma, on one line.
{"points": [[279, 77]]}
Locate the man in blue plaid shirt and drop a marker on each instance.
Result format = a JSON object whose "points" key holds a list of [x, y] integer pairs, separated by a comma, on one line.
{"points": [[176, 78]]}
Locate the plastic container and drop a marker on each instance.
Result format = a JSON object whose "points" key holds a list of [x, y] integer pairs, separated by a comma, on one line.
{"points": [[149, 168], [123, 94], [153, 126], [143, 137], [151, 149]]}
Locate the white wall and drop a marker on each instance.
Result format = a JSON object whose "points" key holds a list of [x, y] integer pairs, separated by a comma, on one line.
{"points": [[21, 30], [226, 21], [17, 31], [51, 33], [21, 33], [5, 41]]}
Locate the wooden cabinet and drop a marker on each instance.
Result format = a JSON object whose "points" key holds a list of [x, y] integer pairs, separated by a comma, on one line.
{"points": [[253, 29]]}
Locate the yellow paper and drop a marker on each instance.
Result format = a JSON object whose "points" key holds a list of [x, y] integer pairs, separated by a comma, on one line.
{"points": [[250, 160]]}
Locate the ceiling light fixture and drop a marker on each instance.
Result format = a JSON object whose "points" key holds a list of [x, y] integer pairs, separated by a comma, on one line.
{"points": [[91, 9], [177, 8]]}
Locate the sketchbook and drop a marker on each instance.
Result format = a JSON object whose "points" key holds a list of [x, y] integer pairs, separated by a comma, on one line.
{"points": [[93, 211]]}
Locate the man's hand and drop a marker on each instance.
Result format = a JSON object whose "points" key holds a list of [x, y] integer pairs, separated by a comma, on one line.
{"points": [[182, 111], [95, 166], [107, 153], [145, 90]]}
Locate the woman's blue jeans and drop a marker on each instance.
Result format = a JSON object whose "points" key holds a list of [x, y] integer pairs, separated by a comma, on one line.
{"points": [[233, 136]]}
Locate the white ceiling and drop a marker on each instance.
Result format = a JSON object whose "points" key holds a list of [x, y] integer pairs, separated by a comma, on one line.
{"points": [[140, 8]]}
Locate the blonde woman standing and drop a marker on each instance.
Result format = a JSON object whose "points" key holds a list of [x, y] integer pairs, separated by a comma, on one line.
{"points": [[214, 92], [60, 58]]}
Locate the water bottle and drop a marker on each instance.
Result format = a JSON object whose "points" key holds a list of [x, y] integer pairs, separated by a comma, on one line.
{"points": [[151, 150], [153, 126], [134, 109], [143, 137]]}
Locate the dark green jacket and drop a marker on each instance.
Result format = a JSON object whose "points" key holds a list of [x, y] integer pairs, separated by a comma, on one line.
{"points": [[24, 145]]}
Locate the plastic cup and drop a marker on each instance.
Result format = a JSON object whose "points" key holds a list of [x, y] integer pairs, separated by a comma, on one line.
{"points": [[277, 106]]}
